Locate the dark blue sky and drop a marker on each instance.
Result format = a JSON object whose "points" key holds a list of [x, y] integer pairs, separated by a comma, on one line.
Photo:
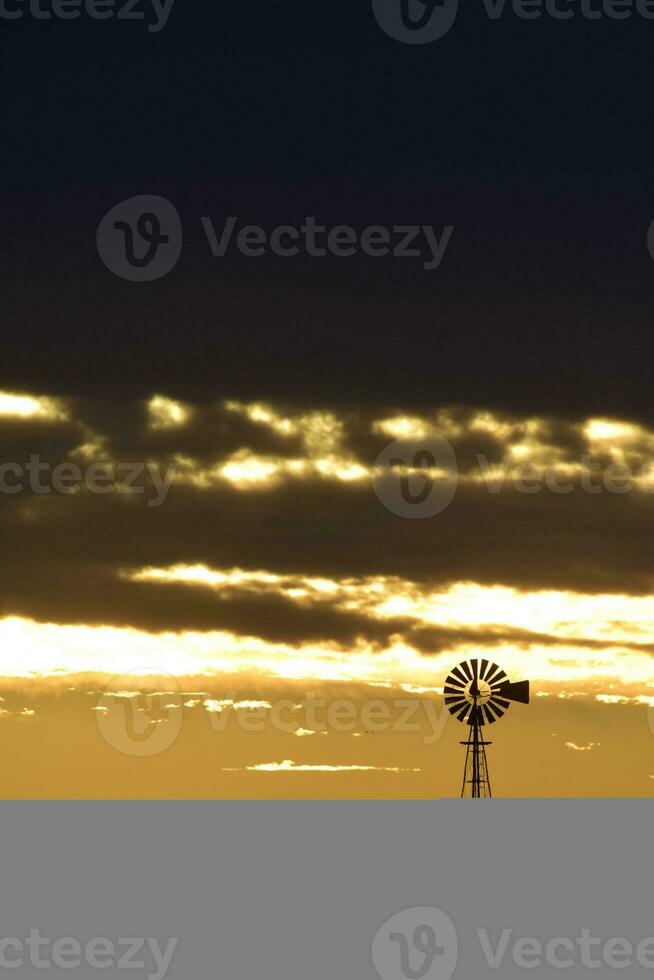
{"points": [[531, 138]]}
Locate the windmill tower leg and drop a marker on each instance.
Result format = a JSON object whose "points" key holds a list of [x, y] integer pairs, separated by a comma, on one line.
{"points": [[476, 781]]}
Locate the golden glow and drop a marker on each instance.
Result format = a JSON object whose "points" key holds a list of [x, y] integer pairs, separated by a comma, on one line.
{"points": [[31, 407], [320, 448], [583, 645], [289, 766], [522, 442], [609, 430], [403, 427], [264, 415], [166, 414], [245, 470], [93, 448], [565, 616], [201, 575], [647, 699], [214, 706]]}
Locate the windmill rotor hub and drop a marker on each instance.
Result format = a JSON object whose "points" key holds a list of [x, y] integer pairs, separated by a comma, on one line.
{"points": [[479, 694]]}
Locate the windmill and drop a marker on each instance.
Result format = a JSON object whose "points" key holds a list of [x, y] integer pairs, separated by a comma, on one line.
{"points": [[478, 692]]}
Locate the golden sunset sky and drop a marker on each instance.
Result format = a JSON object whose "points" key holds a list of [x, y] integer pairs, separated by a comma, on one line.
{"points": [[272, 629]]}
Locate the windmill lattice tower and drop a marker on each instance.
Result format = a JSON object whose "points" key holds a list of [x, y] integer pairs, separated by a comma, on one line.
{"points": [[478, 693]]}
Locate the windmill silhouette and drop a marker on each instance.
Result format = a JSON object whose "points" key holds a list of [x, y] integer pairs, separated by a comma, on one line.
{"points": [[478, 693]]}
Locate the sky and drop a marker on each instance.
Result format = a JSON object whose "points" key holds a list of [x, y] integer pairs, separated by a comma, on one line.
{"points": [[231, 592]]}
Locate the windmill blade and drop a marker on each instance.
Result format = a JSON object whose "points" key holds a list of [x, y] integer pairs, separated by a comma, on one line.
{"points": [[490, 717], [465, 667], [518, 691], [458, 673], [474, 687], [496, 707], [461, 715], [495, 675]]}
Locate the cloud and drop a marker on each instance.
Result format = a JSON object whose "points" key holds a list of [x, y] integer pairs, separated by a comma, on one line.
{"points": [[214, 706], [308, 519], [289, 766], [166, 414], [647, 699], [299, 566], [18, 406]]}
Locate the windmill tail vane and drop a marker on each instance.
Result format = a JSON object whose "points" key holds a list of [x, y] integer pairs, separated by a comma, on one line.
{"points": [[478, 693]]}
